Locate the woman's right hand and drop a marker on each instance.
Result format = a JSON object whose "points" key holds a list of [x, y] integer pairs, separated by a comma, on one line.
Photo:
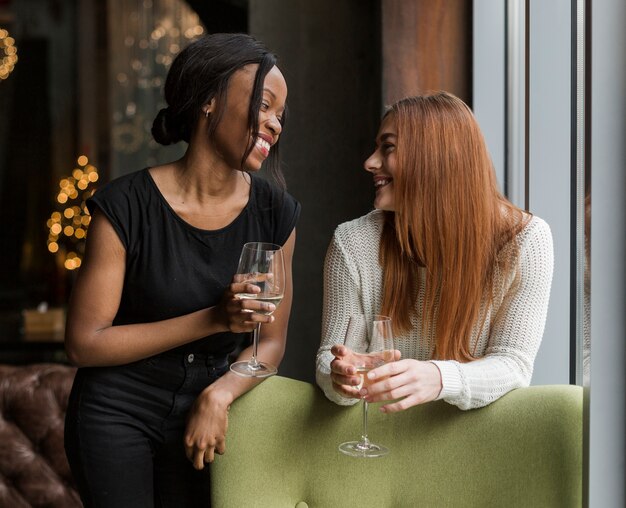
{"points": [[346, 381], [241, 315]]}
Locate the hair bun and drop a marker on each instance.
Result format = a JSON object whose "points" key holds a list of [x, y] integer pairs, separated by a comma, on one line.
{"points": [[163, 131]]}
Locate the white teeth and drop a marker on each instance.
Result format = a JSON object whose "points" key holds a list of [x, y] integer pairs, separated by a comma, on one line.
{"points": [[263, 144], [381, 183]]}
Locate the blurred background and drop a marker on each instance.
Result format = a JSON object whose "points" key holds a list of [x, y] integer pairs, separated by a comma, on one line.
{"points": [[84, 81], [81, 81]]}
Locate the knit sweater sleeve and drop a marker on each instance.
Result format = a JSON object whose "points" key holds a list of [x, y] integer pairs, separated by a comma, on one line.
{"points": [[341, 299], [516, 330]]}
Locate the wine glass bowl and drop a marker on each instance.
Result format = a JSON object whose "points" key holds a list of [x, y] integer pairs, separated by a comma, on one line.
{"points": [[261, 264], [371, 343]]}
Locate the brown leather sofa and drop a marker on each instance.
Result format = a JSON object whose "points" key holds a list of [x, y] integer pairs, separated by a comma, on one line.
{"points": [[33, 468]]}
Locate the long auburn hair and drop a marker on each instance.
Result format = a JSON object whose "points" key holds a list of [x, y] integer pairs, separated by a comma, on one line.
{"points": [[449, 218]]}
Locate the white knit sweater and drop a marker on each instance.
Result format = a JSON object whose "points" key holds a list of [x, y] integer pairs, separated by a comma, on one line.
{"points": [[509, 339]]}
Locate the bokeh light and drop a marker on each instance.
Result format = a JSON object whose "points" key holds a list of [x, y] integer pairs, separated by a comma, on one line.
{"points": [[67, 227], [8, 54]]}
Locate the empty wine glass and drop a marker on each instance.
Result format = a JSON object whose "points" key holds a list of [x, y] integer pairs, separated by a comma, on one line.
{"points": [[260, 264], [371, 343]]}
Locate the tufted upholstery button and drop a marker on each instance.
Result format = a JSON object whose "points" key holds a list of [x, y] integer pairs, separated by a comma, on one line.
{"points": [[190, 358], [301, 504]]}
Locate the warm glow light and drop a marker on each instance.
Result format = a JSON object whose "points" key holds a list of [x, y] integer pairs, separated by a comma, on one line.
{"points": [[67, 228], [8, 54]]}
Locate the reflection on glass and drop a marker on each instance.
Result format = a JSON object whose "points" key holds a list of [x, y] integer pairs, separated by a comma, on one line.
{"points": [[142, 45], [587, 292]]}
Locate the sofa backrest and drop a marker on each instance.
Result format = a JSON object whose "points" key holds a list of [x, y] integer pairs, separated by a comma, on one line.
{"points": [[281, 451], [33, 467]]}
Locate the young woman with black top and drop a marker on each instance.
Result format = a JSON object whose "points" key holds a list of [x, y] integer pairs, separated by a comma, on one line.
{"points": [[153, 317]]}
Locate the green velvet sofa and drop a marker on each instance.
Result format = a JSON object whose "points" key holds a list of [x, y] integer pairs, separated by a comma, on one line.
{"points": [[524, 450]]}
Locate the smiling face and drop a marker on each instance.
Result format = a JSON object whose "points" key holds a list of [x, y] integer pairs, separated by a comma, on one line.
{"points": [[232, 136], [383, 164]]}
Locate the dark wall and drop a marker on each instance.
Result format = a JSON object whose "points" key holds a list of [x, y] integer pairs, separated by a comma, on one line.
{"points": [[329, 53], [222, 15], [26, 180]]}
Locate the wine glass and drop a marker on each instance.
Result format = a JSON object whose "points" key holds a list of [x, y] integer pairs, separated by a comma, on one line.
{"points": [[260, 264], [371, 342]]}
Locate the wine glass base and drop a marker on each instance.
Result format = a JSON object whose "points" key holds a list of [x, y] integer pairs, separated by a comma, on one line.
{"points": [[357, 449], [261, 369]]}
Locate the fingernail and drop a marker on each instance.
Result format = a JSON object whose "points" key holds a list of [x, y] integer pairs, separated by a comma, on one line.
{"points": [[383, 410], [363, 392], [371, 375]]}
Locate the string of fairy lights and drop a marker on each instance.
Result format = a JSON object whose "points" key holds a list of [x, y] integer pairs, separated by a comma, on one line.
{"points": [[67, 226], [8, 54]]}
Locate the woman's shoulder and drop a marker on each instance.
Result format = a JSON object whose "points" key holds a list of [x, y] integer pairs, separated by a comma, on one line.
{"points": [[355, 244], [267, 193], [122, 200], [533, 239], [361, 231], [533, 243], [124, 185], [274, 207], [535, 231]]}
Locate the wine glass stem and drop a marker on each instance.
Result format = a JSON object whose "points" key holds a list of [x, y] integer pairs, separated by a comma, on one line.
{"points": [[364, 439], [254, 364]]}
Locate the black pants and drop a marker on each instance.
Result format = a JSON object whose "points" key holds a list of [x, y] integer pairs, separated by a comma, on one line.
{"points": [[124, 432]]}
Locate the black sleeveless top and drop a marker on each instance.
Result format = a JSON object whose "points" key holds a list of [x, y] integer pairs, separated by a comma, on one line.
{"points": [[174, 268]]}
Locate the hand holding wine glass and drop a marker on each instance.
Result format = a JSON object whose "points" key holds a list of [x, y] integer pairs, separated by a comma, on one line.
{"points": [[370, 345], [261, 264]]}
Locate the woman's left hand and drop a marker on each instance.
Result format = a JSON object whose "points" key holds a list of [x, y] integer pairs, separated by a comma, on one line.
{"points": [[207, 424], [407, 382]]}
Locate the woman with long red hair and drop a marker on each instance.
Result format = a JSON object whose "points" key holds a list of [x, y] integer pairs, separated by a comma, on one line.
{"points": [[464, 274]]}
